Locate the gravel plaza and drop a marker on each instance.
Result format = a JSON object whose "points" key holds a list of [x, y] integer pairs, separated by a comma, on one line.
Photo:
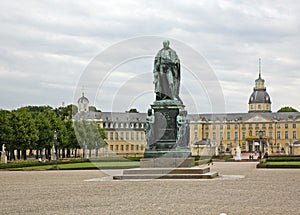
{"points": [[240, 189]]}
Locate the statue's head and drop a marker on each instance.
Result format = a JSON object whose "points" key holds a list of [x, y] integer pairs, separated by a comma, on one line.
{"points": [[149, 112], [166, 43]]}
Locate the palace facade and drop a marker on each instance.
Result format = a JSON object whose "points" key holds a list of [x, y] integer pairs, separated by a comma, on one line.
{"points": [[259, 130]]}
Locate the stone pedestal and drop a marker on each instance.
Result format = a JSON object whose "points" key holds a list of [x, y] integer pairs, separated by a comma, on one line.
{"points": [[164, 131], [167, 162], [3, 158]]}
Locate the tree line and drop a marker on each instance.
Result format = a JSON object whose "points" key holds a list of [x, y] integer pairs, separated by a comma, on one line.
{"points": [[32, 128]]}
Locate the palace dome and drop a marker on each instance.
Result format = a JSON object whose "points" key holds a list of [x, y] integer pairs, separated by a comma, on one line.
{"points": [[259, 96]]}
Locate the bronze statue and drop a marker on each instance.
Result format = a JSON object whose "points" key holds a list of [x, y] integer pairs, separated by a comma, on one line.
{"points": [[167, 73]]}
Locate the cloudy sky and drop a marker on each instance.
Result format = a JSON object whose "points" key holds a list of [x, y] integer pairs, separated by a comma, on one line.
{"points": [[51, 50]]}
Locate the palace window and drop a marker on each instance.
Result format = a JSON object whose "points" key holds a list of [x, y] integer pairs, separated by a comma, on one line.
{"points": [[244, 126], [256, 126], [196, 127], [259, 107], [195, 135], [117, 147], [243, 135], [286, 125], [228, 135], [294, 135], [142, 135], [137, 136], [137, 147], [214, 136], [117, 136], [127, 147], [236, 126], [111, 147], [271, 134], [206, 135], [278, 134], [132, 135], [286, 135], [122, 147], [132, 147], [127, 135], [221, 135], [235, 135], [228, 126], [221, 127], [250, 125], [111, 136], [278, 125], [270, 125], [214, 127], [122, 135], [294, 125]]}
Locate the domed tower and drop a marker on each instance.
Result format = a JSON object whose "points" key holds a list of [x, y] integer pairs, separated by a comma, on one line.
{"points": [[83, 104], [259, 100]]}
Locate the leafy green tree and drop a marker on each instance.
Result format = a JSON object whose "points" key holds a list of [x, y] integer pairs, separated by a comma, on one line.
{"points": [[89, 135], [6, 132], [93, 109], [72, 142], [133, 110], [287, 109], [24, 131], [67, 112], [45, 133]]}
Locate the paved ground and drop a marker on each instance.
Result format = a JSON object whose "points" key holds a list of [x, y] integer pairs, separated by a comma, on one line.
{"points": [[242, 189]]}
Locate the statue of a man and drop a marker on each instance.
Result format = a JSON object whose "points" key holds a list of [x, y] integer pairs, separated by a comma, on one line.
{"points": [[167, 73], [182, 129], [149, 129]]}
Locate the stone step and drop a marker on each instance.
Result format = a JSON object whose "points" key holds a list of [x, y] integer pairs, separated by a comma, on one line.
{"points": [[143, 171], [208, 175]]}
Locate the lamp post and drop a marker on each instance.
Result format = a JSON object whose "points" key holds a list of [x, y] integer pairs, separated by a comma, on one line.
{"points": [[291, 147], [261, 133], [221, 146], [55, 144]]}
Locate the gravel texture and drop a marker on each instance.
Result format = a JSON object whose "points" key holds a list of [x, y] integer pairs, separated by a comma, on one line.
{"points": [[241, 189]]}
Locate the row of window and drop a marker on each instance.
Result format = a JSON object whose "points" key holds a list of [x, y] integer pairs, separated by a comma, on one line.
{"points": [[126, 148], [236, 135], [121, 135], [250, 126], [128, 125]]}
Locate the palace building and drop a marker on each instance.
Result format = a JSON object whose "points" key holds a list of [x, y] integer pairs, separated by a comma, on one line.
{"points": [[259, 130]]}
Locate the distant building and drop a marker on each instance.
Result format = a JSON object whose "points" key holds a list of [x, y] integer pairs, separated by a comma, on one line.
{"points": [[83, 103]]}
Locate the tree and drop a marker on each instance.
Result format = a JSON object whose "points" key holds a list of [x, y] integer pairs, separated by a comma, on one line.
{"points": [[93, 109], [133, 110], [24, 131], [287, 109], [6, 132], [90, 136]]}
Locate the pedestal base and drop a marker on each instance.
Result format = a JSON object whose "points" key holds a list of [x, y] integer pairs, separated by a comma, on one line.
{"points": [[167, 162], [4, 159]]}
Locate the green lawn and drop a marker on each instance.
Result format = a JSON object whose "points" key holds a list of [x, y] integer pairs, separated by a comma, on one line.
{"points": [[283, 164], [84, 165]]}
